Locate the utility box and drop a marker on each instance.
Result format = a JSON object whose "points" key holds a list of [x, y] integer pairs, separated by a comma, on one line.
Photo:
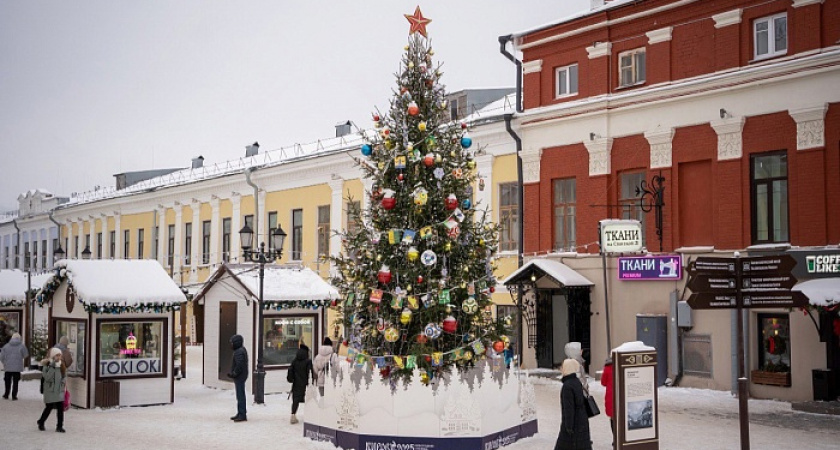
{"points": [[684, 315], [652, 330]]}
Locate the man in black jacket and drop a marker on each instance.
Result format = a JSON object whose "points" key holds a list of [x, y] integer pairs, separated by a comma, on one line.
{"points": [[239, 373]]}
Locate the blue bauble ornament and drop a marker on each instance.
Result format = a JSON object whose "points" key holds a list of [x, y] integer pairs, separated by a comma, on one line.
{"points": [[466, 142], [466, 204], [367, 150]]}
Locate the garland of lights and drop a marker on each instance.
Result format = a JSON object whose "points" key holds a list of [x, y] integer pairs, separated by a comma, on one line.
{"points": [[61, 274]]}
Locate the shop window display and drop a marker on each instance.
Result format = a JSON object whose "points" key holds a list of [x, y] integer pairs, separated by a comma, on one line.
{"points": [[76, 333], [283, 336], [775, 343], [131, 349]]}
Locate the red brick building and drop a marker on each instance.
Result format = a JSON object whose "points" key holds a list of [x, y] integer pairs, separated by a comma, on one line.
{"points": [[735, 103]]}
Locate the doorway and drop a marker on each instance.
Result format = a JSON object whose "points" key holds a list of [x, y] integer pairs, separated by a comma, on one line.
{"points": [[227, 328], [563, 316], [560, 316]]}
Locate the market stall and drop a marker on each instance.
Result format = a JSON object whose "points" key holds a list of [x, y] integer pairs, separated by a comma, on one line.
{"points": [[293, 313], [118, 318], [15, 317]]}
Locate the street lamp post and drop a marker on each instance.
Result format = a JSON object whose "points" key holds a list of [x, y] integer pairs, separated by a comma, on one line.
{"points": [[261, 256]]}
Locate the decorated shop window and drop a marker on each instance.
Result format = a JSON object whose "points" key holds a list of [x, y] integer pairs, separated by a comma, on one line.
{"points": [[284, 334], [132, 349], [76, 333], [774, 349]]}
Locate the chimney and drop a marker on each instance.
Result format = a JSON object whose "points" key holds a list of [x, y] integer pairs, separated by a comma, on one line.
{"points": [[198, 162], [252, 150], [343, 128]]}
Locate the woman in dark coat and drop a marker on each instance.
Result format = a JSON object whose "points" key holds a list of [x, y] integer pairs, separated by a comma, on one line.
{"points": [[574, 423], [299, 374]]}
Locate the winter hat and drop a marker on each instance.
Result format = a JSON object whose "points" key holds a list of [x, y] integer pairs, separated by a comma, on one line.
{"points": [[64, 340], [570, 366], [16, 335], [54, 351]]}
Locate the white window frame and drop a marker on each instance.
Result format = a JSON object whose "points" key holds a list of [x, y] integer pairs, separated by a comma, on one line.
{"points": [[770, 22], [567, 85], [633, 67]]}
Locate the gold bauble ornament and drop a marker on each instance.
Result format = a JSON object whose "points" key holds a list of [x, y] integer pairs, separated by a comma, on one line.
{"points": [[421, 126], [471, 165]]}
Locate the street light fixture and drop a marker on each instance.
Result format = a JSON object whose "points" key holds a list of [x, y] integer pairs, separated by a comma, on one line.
{"points": [[58, 254], [261, 256], [86, 253]]}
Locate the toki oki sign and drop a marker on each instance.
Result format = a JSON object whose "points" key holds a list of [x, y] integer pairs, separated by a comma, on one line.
{"points": [[130, 367]]}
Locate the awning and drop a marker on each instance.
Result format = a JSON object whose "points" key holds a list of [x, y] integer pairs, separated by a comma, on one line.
{"points": [[821, 292], [555, 270]]}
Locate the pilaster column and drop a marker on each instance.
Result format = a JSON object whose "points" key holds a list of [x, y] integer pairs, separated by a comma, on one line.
{"points": [[161, 235], [730, 137], [661, 148], [215, 231], [92, 234], [600, 156], [195, 248], [179, 238], [810, 126], [70, 251], [336, 208], [118, 237], [235, 226], [531, 165]]}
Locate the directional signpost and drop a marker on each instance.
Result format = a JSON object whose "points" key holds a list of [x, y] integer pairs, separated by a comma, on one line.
{"points": [[738, 283]]}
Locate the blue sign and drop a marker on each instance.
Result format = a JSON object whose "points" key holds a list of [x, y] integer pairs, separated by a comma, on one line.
{"points": [[662, 268]]}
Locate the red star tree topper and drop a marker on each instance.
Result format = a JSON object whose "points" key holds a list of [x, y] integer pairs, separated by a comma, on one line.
{"points": [[418, 22]]}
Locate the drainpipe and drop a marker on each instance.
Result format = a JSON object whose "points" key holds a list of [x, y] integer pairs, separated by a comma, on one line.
{"points": [[503, 40], [59, 232], [519, 212], [256, 205], [17, 242]]}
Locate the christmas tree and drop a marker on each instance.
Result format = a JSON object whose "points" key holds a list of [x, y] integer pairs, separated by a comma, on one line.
{"points": [[417, 275]]}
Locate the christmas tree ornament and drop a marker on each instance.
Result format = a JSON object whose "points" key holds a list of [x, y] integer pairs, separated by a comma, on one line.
{"points": [[405, 316], [432, 330], [431, 142], [411, 64], [457, 173], [421, 196], [478, 347], [438, 159], [447, 246], [381, 166], [453, 153], [468, 355], [408, 288], [424, 378], [428, 300], [376, 296], [439, 173], [381, 324], [429, 160], [450, 324], [399, 162], [463, 125], [426, 233], [419, 279], [367, 149], [412, 302], [389, 200], [466, 142], [376, 117], [392, 334], [444, 297], [499, 346], [422, 339], [428, 258], [451, 202], [466, 204], [408, 237], [410, 148], [389, 144], [470, 306], [471, 164], [410, 361], [421, 126], [385, 132], [412, 254], [400, 177], [413, 110], [437, 359], [453, 234], [397, 300], [394, 236], [481, 184], [398, 361]]}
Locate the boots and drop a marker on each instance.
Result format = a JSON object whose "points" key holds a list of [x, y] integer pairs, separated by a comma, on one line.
{"points": [[293, 420]]}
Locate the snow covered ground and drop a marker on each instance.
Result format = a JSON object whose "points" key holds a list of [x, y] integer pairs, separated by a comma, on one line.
{"points": [[199, 419]]}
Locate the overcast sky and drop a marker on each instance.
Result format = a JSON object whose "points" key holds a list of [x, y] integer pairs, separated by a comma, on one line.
{"points": [[89, 89]]}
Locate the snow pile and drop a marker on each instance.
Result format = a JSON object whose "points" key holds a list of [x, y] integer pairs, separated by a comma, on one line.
{"points": [[285, 283], [821, 292], [633, 346], [13, 284]]}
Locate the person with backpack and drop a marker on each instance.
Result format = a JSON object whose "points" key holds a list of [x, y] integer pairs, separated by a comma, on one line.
{"points": [[299, 372], [54, 388], [13, 354], [323, 362]]}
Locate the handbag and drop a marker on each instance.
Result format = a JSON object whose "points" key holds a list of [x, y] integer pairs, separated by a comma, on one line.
{"points": [[66, 400], [592, 409]]}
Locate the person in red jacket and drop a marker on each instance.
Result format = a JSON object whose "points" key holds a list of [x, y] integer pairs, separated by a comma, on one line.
{"points": [[607, 382]]}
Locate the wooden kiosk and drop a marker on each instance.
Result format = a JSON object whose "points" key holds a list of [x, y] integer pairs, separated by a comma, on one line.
{"points": [[118, 317], [293, 313]]}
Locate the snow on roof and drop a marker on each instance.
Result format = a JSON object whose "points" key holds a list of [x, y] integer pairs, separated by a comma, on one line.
{"points": [[13, 284], [504, 105], [120, 281], [283, 283], [580, 14], [555, 269], [269, 158], [633, 346], [821, 292]]}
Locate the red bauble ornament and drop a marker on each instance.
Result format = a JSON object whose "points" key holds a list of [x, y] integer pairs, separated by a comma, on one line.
{"points": [[413, 109], [422, 339], [376, 117], [400, 177], [429, 82], [492, 289], [451, 202], [463, 125], [429, 160], [333, 303], [499, 346], [450, 324], [389, 202], [428, 358], [384, 275]]}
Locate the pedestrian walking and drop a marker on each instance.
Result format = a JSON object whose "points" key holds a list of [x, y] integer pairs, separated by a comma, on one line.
{"points": [[54, 388], [573, 351], [323, 362], [13, 355], [607, 382], [239, 373], [66, 356], [574, 423], [299, 373]]}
